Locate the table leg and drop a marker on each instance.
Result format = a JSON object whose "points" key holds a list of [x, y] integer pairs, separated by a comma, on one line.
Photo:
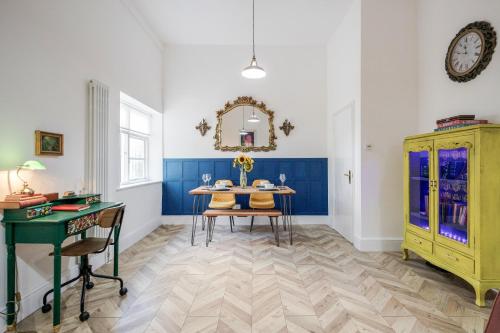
{"points": [[203, 218], [116, 250], [196, 203], [11, 288], [289, 215], [56, 319], [282, 210]]}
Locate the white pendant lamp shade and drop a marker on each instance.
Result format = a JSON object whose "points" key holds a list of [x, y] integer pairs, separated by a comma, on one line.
{"points": [[253, 118], [253, 71]]}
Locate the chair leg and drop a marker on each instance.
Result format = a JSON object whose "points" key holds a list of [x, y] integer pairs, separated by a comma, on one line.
{"points": [[251, 223], [123, 290], [84, 315], [209, 223], [271, 222], [231, 223], [47, 307], [212, 229]]}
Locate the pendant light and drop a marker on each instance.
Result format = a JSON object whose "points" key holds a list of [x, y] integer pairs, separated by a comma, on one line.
{"points": [[253, 71], [253, 118], [243, 131]]}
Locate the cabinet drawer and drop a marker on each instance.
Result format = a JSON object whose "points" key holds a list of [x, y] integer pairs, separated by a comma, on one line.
{"points": [[452, 258], [417, 242]]}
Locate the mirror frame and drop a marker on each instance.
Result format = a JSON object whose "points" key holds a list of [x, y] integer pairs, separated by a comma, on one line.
{"points": [[245, 101]]}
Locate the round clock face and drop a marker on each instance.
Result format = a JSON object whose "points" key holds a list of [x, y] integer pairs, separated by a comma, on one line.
{"points": [[467, 52], [470, 51]]}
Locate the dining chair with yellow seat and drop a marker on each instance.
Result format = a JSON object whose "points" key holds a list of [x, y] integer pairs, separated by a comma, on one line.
{"points": [[261, 200], [223, 200]]}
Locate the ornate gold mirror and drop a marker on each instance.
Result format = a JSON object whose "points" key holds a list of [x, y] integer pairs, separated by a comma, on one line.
{"points": [[245, 125]]}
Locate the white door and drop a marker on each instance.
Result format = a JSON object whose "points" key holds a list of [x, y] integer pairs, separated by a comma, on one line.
{"points": [[343, 144]]}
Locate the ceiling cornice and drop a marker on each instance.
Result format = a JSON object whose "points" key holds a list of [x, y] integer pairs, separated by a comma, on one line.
{"points": [[137, 15]]}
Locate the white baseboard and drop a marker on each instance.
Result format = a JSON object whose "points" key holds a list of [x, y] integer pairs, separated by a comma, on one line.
{"points": [[33, 301], [297, 219], [377, 244]]}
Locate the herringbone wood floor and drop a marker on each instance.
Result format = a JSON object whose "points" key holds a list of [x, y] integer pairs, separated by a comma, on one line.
{"points": [[243, 283]]}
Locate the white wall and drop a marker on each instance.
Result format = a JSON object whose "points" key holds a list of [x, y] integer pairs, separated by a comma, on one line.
{"points": [[439, 97], [377, 73], [344, 89], [50, 50], [199, 80]]}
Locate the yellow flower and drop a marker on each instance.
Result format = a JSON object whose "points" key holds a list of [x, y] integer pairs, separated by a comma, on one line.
{"points": [[241, 159], [248, 167]]}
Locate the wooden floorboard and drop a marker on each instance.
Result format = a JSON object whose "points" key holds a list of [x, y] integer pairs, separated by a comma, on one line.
{"points": [[243, 283]]}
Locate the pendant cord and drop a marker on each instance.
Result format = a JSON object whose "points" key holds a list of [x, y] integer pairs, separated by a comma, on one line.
{"points": [[253, 27]]}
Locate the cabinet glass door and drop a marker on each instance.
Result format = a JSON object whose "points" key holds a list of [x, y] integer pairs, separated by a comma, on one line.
{"points": [[453, 194], [419, 168]]}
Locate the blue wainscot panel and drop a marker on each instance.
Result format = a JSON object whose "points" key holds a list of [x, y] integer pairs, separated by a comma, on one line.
{"points": [[309, 176]]}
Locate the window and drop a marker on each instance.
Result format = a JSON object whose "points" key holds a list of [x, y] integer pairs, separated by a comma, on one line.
{"points": [[135, 137]]}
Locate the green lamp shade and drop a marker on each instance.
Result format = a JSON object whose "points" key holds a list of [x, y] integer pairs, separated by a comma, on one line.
{"points": [[33, 165]]}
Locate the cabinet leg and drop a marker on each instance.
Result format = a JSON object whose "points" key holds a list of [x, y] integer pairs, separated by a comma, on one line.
{"points": [[405, 254], [480, 295]]}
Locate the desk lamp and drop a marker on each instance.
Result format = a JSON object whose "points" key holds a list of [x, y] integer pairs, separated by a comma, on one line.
{"points": [[28, 165]]}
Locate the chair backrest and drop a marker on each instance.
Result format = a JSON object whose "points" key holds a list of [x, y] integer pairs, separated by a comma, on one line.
{"points": [[227, 181], [258, 182], [493, 325], [109, 218]]}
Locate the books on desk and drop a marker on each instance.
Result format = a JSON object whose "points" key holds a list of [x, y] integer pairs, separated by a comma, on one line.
{"points": [[17, 201], [70, 208]]}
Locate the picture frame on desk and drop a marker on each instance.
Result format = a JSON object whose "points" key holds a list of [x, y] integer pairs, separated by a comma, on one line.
{"points": [[47, 143]]}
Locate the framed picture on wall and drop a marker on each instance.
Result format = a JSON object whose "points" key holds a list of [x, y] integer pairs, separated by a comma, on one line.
{"points": [[248, 139], [47, 143]]}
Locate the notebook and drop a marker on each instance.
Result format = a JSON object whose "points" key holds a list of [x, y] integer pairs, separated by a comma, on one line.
{"points": [[70, 207]]}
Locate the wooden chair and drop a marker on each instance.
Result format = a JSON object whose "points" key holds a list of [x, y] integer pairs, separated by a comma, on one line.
{"points": [[108, 218], [224, 200], [261, 200]]}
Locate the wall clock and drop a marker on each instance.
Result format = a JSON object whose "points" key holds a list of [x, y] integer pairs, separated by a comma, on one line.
{"points": [[470, 51]]}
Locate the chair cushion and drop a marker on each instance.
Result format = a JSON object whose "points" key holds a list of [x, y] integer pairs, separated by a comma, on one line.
{"points": [[84, 247], [215, 204], [261, 203]]}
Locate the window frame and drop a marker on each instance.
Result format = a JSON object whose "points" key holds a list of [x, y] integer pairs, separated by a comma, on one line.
{"points": [[145, 137]]}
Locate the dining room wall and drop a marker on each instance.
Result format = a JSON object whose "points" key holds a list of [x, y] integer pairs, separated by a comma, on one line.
{"points": [[49, 51], [438, 96], [200, 79]]}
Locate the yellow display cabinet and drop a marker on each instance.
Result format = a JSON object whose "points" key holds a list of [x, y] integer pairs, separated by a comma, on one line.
{"points": [[452, 203]]}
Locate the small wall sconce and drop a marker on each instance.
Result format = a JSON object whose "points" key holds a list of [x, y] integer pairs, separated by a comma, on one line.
{"points": [[203, 127], [287, 127]]}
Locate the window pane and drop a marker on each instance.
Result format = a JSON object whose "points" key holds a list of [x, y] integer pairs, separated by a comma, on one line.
{"points": [[139, 122], [124, 156], [137, 148], [136, 170]]}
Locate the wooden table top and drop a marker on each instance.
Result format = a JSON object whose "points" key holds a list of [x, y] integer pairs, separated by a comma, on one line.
{"points": [[203, 190]]}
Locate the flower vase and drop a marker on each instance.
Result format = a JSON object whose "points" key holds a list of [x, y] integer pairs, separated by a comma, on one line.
{"points": [[243, 178]]}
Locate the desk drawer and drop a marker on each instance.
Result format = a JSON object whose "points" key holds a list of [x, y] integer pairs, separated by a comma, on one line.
{"points": [[418, 243], [82, 223], [454, 259]]}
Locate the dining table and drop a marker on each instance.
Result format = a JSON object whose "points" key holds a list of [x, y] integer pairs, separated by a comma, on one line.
{"points": [[201, 200]]}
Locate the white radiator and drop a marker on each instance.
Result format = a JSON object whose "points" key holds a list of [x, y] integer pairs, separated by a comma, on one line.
{"points": [[96, 169]]}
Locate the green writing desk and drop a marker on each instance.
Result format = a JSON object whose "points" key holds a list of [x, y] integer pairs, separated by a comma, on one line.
{"points": [[39, 225]]}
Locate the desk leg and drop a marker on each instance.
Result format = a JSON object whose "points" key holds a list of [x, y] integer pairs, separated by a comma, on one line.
{"points": [[116, 250], [11, 287], [56, 319]]}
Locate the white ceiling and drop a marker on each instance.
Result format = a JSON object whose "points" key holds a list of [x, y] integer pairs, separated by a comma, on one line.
{"points": [[229, 22]]}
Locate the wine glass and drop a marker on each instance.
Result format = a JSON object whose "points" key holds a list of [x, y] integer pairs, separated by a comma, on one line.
{"points": [[204, 178], [209, 176], [282, 179]]}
